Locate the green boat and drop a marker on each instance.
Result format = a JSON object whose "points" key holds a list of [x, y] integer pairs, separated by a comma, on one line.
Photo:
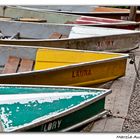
{"points": [[49, 108]]}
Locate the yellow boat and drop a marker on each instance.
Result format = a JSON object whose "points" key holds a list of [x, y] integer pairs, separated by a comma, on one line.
{"points": [[53, 66]]}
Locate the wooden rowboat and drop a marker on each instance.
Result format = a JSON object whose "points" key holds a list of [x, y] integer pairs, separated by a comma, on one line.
{"points": [[51, 66], [49, 108], [68, 36], [20, 13]]}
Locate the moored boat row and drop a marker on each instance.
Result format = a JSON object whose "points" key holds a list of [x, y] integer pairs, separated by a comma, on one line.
{"points": [[40, 60]]}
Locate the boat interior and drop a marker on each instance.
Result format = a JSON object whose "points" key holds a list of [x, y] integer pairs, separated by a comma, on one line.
{"points": [[20, 60]]}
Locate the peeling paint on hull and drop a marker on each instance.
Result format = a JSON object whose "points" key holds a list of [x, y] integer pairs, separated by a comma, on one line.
{"points": [[54, 109]]}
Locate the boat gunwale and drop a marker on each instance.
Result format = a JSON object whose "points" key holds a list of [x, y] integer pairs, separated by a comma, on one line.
{"points": [[61, 49], [93, 13], [62, 114], [113, 24], [90, 13], [52, 86], [116, 51], [85, 122], [69, 12], [126, 35]]}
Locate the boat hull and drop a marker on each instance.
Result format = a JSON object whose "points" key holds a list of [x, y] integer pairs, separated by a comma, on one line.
{"points": [[82, 75], [49, 108], [114, 43], [54, 17], [80, 37], [70, 120]]}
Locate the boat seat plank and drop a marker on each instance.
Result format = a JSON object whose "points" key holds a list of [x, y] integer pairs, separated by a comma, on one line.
{"points": [[12, 65], [16, 64], [55, 35], [30, 20], [26, 65]]}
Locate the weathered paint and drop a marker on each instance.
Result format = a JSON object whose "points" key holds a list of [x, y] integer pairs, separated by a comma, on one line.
{"points": [[75, 117], [46, 104], [38, 34]]}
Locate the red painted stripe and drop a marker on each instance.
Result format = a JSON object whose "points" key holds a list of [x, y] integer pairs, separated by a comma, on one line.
{"points": [[129, 27], [85, 22], [106, 20]]}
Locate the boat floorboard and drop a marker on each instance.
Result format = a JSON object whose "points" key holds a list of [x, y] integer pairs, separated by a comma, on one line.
{"points": [[56, 35], [12, 65], [117, 102], [16, 64]]}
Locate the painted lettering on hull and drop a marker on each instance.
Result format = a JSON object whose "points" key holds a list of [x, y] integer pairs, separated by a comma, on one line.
{"points": [[52, 125], [105, 42], [81, 73]]}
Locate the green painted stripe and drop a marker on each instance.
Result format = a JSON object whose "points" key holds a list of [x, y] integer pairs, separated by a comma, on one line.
{"points": [[72, 119]]}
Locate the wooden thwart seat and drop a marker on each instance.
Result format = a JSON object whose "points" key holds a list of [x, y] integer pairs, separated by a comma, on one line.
{"points": [[16, 64], [30, 20], [26, 65], [57, 35], [12, 65]]}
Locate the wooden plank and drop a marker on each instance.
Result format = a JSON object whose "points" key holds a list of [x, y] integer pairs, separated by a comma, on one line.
{"points": [[26, 65], [55, 35], [12, 65], [30, 20]]}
